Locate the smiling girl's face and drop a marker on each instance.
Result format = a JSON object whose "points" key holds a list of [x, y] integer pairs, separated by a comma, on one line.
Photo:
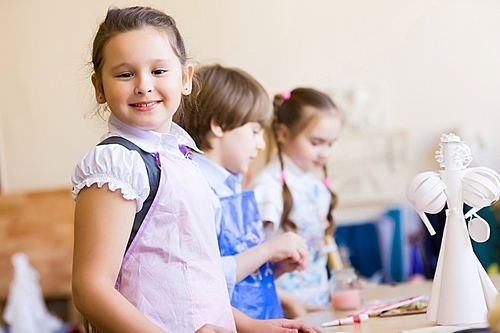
{"points": [[142, 79]]}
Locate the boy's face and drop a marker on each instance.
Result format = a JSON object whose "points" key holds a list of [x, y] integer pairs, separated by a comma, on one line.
{"points": [[240, 146]]}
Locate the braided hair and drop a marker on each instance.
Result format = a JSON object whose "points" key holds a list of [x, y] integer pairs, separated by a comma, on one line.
{"points": [[290, 111]]}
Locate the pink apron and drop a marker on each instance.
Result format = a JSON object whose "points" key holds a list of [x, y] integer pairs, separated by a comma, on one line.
{"points": [[172, 271]]}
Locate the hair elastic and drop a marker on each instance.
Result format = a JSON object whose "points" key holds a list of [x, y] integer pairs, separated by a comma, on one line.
{"points": [[283, 176], [286, 95], [326, 181]]}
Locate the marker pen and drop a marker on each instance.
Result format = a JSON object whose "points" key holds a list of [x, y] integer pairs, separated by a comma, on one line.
{"points": [[347, 320]]}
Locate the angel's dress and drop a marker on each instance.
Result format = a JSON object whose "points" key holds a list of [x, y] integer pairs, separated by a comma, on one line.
{"points": [[462, 292]]}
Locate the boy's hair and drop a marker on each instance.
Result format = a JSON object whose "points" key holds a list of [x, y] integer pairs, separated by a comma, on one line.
{"points": [[121, 20], [228, 97], [295, 110]]}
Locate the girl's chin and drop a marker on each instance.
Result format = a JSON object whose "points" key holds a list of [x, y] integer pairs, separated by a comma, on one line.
{"points": [[318, 165]]}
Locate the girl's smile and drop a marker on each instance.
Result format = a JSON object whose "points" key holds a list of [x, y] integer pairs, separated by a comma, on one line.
{"points": [[145, 106], [142, 79]]}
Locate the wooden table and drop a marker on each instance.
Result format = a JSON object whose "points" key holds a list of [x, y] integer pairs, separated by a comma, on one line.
{"points": [[381, 324]]}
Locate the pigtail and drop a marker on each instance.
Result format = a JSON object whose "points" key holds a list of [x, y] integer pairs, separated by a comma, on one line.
{"points": [[285, 222], [271, 133], [332, 225]]}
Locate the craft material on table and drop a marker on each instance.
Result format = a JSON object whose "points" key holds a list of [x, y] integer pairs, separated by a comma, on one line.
{"points": [[393, 304], [347, 320], [415, 307], [448, 329]]}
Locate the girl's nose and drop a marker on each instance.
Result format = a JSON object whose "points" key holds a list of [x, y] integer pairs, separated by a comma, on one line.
{"points": [[144, 86], [325, 152]]}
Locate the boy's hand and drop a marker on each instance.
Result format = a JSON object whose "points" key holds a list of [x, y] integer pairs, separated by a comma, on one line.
{"points": [[288, 246], [289, 265]]}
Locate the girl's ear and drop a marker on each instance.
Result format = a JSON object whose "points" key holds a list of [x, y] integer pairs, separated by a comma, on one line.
{"points": [[216, 129], [187, 80], [283, 134], [99, 91]]}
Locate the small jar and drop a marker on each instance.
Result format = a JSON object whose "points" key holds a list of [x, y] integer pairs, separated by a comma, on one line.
{"points": [[345, 289]]}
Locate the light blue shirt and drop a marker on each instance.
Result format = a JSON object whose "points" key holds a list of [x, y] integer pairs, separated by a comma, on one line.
{"points": [[223, 184]]}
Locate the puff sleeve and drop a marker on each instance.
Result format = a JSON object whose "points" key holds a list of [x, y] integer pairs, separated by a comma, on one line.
{"points": [[115, 165]]}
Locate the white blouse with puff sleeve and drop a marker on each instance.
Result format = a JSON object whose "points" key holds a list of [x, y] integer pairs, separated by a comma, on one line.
{"points": [[116, 166]]}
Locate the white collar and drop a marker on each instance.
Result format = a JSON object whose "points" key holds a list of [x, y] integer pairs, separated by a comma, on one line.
{"points": [[292, 169], [150, 141]]}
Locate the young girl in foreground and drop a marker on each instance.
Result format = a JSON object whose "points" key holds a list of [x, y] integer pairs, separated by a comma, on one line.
{"points": [[290, 197], [159, 282]]}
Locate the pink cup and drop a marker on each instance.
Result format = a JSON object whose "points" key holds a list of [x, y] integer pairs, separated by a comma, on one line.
{"points": [[346, 299]]}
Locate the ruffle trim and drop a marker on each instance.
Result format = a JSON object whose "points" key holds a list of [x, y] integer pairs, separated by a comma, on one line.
{"points": [[114, 184]]}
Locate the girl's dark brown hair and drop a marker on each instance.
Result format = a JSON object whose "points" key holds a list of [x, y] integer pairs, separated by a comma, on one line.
{"points": [[228, 97], [120, 20], [296, 110]]}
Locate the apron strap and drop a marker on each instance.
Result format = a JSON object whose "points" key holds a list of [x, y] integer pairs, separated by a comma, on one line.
{"points": [[153, 176]]}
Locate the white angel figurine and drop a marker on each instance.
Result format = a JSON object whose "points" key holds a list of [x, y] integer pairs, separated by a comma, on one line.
{"points": [[25, 310], [462, 292]]}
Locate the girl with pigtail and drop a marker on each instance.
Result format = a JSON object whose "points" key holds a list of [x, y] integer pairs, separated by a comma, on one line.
{"points": [[291, 197]]}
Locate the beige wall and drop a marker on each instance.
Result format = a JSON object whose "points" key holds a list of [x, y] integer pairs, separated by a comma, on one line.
{"points": [[426, 67]]}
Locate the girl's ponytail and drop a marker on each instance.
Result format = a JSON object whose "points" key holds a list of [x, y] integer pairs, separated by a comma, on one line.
{"points": [[333, 203], [285, 223]]}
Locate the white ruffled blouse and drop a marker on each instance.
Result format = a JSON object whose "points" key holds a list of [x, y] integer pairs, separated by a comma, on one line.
{"points": [[122, 168]]}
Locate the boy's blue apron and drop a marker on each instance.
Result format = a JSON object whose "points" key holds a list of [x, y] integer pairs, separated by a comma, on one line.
{"points": [[241, 229]]}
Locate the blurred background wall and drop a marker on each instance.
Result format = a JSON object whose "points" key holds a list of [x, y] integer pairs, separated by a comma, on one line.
{"points": [[404, 71]]}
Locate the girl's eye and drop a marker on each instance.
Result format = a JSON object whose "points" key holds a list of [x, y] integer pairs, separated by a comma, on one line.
{"points": [[159, 71], [125, 75]]}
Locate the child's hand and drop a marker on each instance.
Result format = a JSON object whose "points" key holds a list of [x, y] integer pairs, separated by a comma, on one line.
{"points": [[294, 307], [288, 246], [289, 265], [300, 308], [208, 328], [284, 326], [246, 324]]}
